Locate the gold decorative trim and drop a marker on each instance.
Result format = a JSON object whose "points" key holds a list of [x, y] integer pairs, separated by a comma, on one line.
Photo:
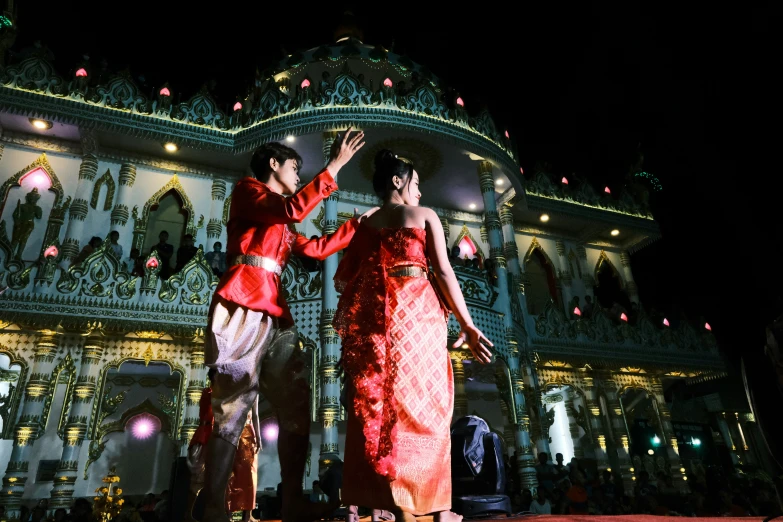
{"points": [[534, 244], [464, 232], [111, 187], [43, 163], [603, 258], [174, 184]]}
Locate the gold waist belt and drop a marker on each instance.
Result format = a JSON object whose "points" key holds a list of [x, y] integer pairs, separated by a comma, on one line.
{"points": [[268, 264], [407, 271]]}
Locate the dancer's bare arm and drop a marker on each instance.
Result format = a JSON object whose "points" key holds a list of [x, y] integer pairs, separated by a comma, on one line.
{"points": [[447, 281]]}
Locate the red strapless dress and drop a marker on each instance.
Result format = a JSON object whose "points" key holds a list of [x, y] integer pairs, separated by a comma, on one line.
{"points": [[399, 376]]}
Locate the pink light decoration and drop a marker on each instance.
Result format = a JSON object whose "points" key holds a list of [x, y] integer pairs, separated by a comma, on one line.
{"points": [[606, 189], [507, 136], [387, 82], [144, 426], [577, 311], [271, 431], [51, 252], [460, 102], [564, 181], [665, 322], [521, 170], [237, 106], [623, 317], [305, 84], [165, 92], [81, 73], [707, 327], [152, 263], [39, 178]]}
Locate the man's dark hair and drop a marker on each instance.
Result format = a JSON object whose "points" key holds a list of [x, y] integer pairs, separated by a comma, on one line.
{"points": [[187, 236], [259, 164]]}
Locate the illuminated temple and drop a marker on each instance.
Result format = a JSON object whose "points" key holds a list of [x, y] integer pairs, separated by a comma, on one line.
{"points": [[101, 357]]}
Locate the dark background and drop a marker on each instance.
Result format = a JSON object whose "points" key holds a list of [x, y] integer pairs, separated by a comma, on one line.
{"points": [[584, 87]]}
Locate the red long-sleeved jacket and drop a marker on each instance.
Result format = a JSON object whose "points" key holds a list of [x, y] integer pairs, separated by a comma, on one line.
{"points": [[258, 226]]}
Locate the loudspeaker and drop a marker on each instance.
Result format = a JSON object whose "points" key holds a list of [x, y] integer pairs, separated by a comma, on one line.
{"points": [[179, 484]]}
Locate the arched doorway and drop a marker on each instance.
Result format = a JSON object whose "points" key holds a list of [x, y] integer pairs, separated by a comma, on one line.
{"points": [[169, 215], [609, 287], [541, 281]]}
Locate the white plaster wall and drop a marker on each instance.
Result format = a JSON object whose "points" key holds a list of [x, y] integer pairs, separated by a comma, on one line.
{"points": [[65, 167], [47, 447]]}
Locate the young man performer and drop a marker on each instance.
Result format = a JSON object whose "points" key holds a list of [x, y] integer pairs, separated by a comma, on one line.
{"points": [[252, 340]]}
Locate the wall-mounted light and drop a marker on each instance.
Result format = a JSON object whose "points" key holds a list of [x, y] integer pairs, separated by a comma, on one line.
{"points": [[171, 147], [41, 124], [544, 218]]}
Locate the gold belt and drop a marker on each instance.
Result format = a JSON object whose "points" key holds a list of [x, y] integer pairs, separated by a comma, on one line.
{"points": [[268, 264], [407, 271]]}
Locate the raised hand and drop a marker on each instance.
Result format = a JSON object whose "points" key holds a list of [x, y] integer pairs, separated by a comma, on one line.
{"points": [[343, 149], [477, 342]]}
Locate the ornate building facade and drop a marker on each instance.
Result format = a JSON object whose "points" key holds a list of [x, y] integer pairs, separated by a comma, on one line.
{"points": [[102, 360]]}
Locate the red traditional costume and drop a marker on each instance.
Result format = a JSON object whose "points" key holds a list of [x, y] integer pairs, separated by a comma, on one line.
{"points": [[401, 389], [241, 493], [252, 341], [199, 441]]}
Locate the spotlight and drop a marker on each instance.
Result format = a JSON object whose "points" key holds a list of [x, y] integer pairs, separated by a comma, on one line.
{"points": [[472, 206], [271, 431], [499, 181], [544, 218], [171, 147], [615, 232], [41, 124], [290, 139]]}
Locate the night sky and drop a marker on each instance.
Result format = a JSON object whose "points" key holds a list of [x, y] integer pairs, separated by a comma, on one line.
{"points": [[583, 88]]}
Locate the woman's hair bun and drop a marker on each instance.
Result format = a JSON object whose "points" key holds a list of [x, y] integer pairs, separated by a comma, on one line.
{"points": [[383, 158]]}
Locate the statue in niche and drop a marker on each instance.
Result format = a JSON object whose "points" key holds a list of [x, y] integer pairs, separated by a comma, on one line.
{"points": [[5, 406], [24, 221]]}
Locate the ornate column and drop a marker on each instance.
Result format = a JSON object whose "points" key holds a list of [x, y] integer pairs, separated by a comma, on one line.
{"points": [[196, 383], [78, 420], [665, 420], [458, 367], [215, 225], [521, 420], [329, 407], [79, 207], [620, 433], [596, 426], [587, 273], [30, 422], [727, 439], [508, 428], [120, 213], [564, 275], [630, 284], [573, 426]]}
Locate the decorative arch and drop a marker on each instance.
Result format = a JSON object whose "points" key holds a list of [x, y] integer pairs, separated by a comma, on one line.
{"points": [[111, 187], [603, 259], [537, 300], [530, 252], [140, 227], [144, 407], [465, 233], [95, 429], [68, 368], [573, 261], [42, 163], [15, 398]]}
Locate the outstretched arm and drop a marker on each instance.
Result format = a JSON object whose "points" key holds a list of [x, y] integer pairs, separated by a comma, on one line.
{"points": [[447, 281], [324, 246]]}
